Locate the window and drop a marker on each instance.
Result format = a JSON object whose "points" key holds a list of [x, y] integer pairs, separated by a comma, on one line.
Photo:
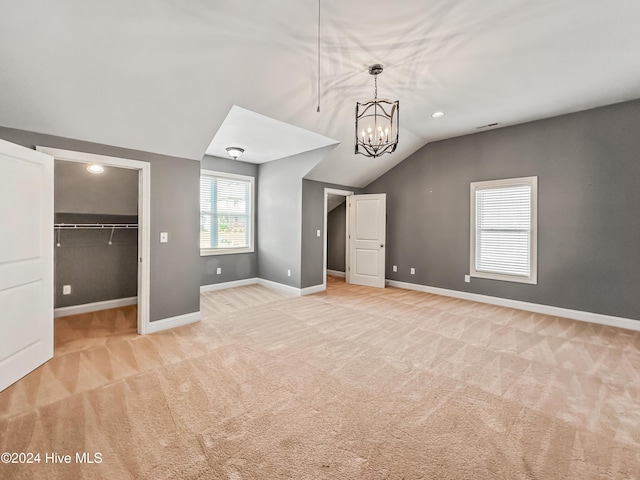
{"points": [[504, 229], [226, 213]]}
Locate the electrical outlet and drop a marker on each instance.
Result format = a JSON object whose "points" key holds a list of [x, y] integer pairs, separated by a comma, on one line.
{"points": [[413, 271], [467, 278], [394, 268], [288, 273], [66, 289], [218, 271]]}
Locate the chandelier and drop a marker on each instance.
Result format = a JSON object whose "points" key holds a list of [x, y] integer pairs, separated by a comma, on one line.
{"points": [[376, 122]]}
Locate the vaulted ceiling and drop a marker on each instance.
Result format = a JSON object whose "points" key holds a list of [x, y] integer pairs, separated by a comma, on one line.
{"points": [[162, 76]]}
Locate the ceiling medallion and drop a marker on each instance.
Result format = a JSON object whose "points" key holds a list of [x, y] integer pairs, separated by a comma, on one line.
{"points": [[376, 122]]}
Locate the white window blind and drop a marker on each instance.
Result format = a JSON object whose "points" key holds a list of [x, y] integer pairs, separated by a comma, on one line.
{"points": [[225, 213], [503, 239]]}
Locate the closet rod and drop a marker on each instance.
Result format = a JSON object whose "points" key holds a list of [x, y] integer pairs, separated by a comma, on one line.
{"points": [[72, 226]]}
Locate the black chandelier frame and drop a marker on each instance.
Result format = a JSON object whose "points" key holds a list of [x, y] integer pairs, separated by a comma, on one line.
{"points": [[378, 111]]}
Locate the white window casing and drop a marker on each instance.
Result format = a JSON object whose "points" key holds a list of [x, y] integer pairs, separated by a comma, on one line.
{"points": [[227, 220], [504, 230]]}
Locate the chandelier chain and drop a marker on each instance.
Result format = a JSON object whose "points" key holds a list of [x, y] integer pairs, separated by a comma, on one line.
{"points": [[318, 109]]}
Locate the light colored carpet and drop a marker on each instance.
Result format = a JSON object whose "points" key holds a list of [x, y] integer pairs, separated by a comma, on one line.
{"points": [[355, 383]]}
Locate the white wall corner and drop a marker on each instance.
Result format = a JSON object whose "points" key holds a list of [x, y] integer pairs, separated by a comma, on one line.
{"points": [[313, 289], [279, 287], [173, 322]]}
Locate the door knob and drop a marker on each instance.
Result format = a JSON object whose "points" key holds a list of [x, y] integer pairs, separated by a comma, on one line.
{"points": [[381, 245]]}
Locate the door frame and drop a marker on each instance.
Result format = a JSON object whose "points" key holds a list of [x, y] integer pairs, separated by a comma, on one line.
{"points": [[343, 193], [144, 204]]}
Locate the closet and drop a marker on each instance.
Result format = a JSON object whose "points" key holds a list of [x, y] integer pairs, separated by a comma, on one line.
{"points": [[96, 237], [336, 234]]}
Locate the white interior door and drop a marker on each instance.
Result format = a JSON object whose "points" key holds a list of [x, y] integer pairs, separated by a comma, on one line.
{"points": [[367, 237], [26, 261]]}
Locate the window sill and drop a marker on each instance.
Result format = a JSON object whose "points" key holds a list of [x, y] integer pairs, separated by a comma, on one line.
{"points": [[531, 280], [224, 251]]}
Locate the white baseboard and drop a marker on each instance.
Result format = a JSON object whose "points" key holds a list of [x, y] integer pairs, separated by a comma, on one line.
{"points": [[279, 286], [590, 317], [94, 307], [265, 283], [336, 273], [313, 289], [172, 322], [223, 286]]}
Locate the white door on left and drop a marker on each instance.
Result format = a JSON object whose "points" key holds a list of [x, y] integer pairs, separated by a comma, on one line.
{"points": [[26, 261]]}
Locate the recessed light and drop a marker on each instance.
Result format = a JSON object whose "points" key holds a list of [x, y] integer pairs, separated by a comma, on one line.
{"points": [[437, 114], [95, 169]]}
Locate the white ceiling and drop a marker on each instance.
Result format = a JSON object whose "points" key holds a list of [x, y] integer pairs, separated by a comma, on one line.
{"points": [[161, 76], [262, 138]]}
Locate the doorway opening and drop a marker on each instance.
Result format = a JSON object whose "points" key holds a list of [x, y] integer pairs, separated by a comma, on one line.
{"points": [[115, 228], [336, 234]]}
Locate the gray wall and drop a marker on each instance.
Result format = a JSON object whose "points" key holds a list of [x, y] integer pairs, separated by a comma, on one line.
{"points": [[113, 192], [175, 266], [280, 211], [337, 238], [238, 266], [313, 220], [588, 168], [95, 270]]}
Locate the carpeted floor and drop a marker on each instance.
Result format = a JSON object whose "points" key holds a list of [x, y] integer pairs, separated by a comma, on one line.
{"points": [[354, 383]]}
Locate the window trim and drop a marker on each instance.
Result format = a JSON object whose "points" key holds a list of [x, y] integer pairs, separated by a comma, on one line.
{"points": [[252, 215], [533, 231]]}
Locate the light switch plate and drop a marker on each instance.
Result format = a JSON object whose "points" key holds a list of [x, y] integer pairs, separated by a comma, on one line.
{"points": [[66, 289], [164, 237], [395, 268]]}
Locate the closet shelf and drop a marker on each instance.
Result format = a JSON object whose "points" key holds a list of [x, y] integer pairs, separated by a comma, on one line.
{"points": [[93, 226]]}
